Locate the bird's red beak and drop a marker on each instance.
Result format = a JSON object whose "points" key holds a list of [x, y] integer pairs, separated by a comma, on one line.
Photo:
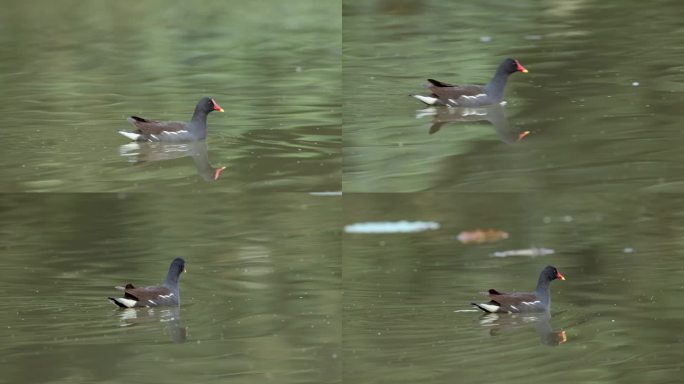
{"points": [[520, 67], [559, 276], [218, 107]]}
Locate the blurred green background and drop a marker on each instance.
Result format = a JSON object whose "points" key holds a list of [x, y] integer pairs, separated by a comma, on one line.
{"points": [[260, 302], [601, 99], [72, 71], [407, 313]]}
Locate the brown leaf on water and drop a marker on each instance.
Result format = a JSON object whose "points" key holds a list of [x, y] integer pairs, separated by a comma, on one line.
{"points": [[482, 236]]}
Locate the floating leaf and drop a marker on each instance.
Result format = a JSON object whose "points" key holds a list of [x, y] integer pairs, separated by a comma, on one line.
{"points": [[482, 236]]}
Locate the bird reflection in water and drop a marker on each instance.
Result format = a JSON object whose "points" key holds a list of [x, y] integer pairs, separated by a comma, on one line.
{"points": [[138, 153], [168, 317], [498, 324], [494, 114]]}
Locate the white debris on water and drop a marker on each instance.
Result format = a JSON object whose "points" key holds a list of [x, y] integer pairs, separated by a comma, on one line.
{"points": [[326, 193], [485, 39], [391, 227], [635, 83], [531, 252], [628, 250]]}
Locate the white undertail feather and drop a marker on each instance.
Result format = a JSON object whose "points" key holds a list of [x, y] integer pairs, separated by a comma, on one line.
{"points": [[130, 135], [491, 308], [125, 302], [426, 99]]}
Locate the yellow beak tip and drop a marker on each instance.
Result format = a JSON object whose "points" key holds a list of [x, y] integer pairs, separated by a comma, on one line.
{"points": [[525, 71], [221, 110]]}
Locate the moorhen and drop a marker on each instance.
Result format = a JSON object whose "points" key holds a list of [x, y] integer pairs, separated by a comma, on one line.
{"points": [[472, 95], [174, 131], [155, 295], [522, 302]]}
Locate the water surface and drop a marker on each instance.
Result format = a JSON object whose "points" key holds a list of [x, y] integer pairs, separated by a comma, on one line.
{"points": [[599, 101], [407, 317], [260, 302], [71, 73]]}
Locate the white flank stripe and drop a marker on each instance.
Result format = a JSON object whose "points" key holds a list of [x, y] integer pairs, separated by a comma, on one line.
{"points": [[174, 132], [130, 135], [153, 303], [514, 307], [531, 303], [426, 99], [166, 296], [474, 97], [154, 137]]}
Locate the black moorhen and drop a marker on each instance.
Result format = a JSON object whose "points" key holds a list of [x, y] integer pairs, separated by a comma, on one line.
{"points": [[174, 131], [155, 295], [472, 95], [522, 302]]}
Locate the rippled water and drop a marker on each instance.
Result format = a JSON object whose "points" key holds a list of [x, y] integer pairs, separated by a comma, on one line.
{"points": [[260, 301], [68, 91], [406, 302], [304, 268], [600, 98]]}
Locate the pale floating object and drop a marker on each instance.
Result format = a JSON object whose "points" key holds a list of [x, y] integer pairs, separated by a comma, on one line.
{"points": [[530, 252], [635, 83], [391, 227], [482, 236], [485, 39], [327, 193]]}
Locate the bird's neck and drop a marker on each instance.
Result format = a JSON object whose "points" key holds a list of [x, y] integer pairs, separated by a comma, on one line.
{"points": [[496, 85], [199, 120], [171, 281], [542, 290]]}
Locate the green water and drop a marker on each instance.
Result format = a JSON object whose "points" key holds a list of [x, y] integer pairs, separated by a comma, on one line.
{"points": [[290, 276], [592, 128], [71, 73], [407, 296], [261, 300]]}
